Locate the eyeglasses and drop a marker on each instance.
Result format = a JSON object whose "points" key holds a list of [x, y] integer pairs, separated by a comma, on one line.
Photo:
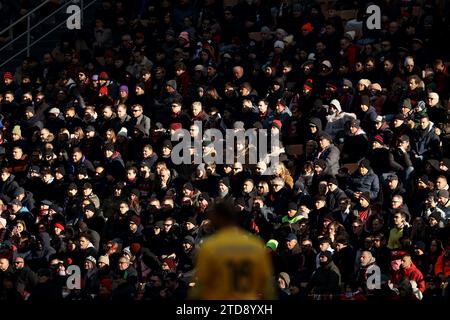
{"points": [[237, 168], [167, 225], [136, 110], [18, 262], [260, 187]]}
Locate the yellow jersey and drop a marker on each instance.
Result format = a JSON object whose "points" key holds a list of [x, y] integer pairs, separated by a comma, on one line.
{"points": [[233, 265]]}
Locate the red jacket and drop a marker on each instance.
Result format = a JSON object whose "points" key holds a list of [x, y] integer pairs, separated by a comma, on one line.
{"points": [[412, 273], [442, 265]]}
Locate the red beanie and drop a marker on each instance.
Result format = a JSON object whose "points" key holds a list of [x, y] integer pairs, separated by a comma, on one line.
{"points": [[176, 125], [308, 27], [104, 91], [103, 76], [59, 226], [171, 263], [8, 75], [277, 124], [308, 84], [379, 139], [135, 248]]}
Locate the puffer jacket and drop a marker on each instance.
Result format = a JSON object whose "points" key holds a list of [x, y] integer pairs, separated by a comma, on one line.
{"points": [[367, 183]]}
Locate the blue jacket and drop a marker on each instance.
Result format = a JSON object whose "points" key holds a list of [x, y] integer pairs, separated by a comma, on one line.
{"points": [[368, 183]]}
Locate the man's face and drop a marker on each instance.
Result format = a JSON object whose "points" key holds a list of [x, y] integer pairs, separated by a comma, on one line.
{"points": [[406, 262], [196, 109], [398, 220], [364, 259], [396, 202], [412, 84], [17, 153], [393, 183], [290, 244], [19, 263], [363, 171], [441, 183], [424, 122], [124, 263], [132, 226], [4, 264]]}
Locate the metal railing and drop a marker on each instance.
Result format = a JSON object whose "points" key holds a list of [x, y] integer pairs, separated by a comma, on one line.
{"points": [[28, 17]]}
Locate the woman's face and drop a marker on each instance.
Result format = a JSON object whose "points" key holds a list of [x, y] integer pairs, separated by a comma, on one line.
{"points": [[19, 227]]}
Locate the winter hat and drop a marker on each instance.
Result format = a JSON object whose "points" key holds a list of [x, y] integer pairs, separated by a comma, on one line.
{"points": [[365, 100], [104, 90], [327, 63], [308, 27], [327, 254], [397, 254], [89, 207], [333, 180], [272, 244], [189, 239], [135, 219], [435, 215], [94, 77], [55, 111], [171, 263], [420, 245], [192, 220], [167, 144], [443, 194], [364, 164], [103, 76], [225, 181], [8, 75], [378, 139], [308, 84], [277, 124], [379, 119], [59, 226], [407, 103], [365, 82], [350, 35], [278, 44], [324, 135], [355, 123], [188, 186], [365, 196], [91, 259], [123, 88], [238, 125], [108, 147], [399, 117], [321, 163], [292, 206], [291, 236], [347, 83], [135, 248], [172, 83], [123, 132], [286, 278], [104, 259], [17, 131], [375, 86], [176, 126], [18, 191]]}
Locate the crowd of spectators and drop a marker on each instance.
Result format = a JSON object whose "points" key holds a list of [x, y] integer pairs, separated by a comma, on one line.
{"points": [[87, 176]]}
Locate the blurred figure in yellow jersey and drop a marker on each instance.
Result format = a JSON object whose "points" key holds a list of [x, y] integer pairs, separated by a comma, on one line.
{"points": [[232, 264]]}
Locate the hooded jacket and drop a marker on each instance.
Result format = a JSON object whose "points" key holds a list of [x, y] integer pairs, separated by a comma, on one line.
{"points": [[336, 122]]}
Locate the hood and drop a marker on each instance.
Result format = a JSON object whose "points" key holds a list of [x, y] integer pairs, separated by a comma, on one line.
{"points": [[317, 122], [337, 104]]}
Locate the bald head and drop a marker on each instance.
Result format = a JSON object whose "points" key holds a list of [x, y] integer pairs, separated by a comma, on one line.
{"points": [[4, 264]]}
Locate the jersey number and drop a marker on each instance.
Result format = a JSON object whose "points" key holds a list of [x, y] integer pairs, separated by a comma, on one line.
{"points": [[240, 274]]}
